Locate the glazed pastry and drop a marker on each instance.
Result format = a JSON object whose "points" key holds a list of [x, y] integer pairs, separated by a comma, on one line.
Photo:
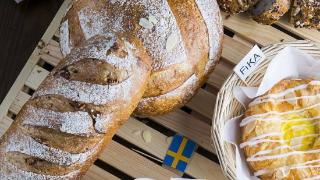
{"points": [[280, 131], [183, 38], [306, 13], [269, 11]]}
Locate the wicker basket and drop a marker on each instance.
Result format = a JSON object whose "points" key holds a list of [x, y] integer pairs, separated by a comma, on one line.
{"points": [[228, 107]]}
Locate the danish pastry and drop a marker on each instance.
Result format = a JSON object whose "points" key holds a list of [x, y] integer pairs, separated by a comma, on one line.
{"points": [[280, 131]]}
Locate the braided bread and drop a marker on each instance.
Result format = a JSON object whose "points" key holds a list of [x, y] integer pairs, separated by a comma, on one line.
{"points": [[118, 55], [175, 34]]}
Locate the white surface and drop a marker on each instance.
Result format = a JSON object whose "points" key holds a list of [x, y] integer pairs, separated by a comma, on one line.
{"points": [[290, 63]]}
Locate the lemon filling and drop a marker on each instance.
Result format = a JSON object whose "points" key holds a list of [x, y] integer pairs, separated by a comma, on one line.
{"points": [[300, 134]]}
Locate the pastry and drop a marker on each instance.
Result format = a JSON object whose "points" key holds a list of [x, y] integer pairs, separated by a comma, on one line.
{"points": [[183, 38], [280, 131], [270, 11], [306, 13], [236, 6]]}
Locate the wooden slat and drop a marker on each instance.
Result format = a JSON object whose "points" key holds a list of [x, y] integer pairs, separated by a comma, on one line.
{"points": [[203, 102], [181, 122], [20, 100], [220, 74], [311, 34], [53, 50], [233, 50], [238, 38], [251, 30], [36, 77], [54, 43], [57, 33], [96, 173], [132, 163], [159, 145], [5, 123], [49, 59]]}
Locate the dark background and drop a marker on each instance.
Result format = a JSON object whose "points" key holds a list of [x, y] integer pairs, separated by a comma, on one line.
{"points": [[21, 27]]}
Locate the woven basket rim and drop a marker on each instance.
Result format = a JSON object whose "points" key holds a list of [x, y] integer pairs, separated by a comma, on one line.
{"points": [[227, 107]]}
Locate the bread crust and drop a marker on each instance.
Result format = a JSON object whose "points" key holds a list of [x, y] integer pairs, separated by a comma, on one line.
{"points": [[190, 38], [280, 132]]}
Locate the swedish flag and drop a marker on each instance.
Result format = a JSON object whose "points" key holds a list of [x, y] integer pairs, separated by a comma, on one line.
{"points": [[179, 153]]}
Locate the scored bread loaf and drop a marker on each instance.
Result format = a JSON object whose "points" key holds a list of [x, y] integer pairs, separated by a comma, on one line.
{"points": [[270, 11], [306, 13], [76, 110], [236, 6], [183, 38], [119, 54]]}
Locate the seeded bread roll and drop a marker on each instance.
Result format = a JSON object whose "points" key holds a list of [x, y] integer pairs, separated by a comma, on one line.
{"points": [[306, 13], [236, 6], [183, 38], [269, 11]]}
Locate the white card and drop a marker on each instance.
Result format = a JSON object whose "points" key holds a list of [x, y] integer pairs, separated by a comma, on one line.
{"points": [[249, 63]]}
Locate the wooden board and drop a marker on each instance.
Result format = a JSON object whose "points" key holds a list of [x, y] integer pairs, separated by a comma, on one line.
{"points": [[128, 156]]}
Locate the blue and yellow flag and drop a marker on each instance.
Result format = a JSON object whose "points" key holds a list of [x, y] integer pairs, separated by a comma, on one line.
{"points": [[179, 153]]}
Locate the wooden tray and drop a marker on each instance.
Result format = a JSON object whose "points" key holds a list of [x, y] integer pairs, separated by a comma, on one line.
{"points": [[129, 156]]}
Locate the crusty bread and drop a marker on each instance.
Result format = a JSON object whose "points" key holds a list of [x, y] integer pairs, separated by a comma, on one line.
{"points": [[119, 54], [76, 110], [236, 6], [280, 131], [306, 13], [183, 38], [270, 11]]}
